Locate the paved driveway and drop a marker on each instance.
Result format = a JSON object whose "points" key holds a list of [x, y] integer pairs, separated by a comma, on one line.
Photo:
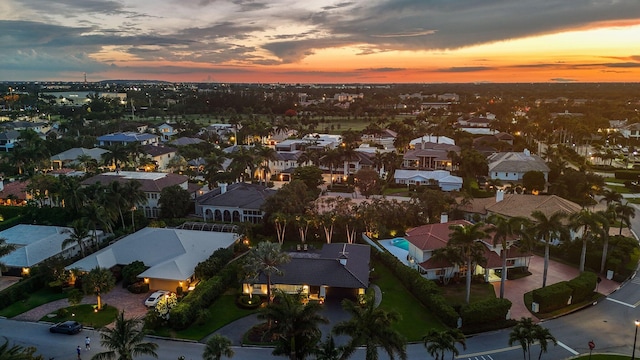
{"points": [[514, 290], [122, 299]]}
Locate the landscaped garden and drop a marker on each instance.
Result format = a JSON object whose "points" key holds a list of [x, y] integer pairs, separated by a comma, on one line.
{"points": [[86, 314], [35, 299]]}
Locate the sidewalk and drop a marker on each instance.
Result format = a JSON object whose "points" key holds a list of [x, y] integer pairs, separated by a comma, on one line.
{"points": [[514, 290]]}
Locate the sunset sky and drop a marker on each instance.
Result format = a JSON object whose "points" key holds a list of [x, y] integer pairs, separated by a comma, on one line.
{"points": [[321, 41]]}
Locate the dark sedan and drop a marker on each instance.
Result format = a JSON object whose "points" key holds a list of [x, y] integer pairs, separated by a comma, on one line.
{"points": [[68, 327]]}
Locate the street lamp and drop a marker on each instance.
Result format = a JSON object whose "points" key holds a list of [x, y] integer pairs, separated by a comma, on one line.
{"points": [[635, 337]]}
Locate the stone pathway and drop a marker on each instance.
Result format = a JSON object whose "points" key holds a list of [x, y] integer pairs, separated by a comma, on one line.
{"points": [[120, 298]]}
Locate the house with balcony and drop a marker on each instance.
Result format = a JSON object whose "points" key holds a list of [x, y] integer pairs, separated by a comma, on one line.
{"points": [[234, 203], [152, 185], [166, 132]]}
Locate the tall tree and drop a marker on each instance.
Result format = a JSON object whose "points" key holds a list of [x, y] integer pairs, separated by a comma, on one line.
{"points": [[371, 327], [526, 333], [217, 347], [116, 156], [503, 230], [79, 232], [548, 229], [437, 342], [174, 202], [467, 237], [295, 324], [589, 222], [625, 212], [132, 191], [125, 340], [16, 352], [265, 259], [5, 249], [98, 281]]}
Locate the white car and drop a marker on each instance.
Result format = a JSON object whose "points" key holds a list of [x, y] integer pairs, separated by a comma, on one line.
{"points": [[153, 299]]}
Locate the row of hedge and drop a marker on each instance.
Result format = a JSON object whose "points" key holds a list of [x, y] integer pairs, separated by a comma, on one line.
{"points": [[214, 264], [207, 291], [485, 315], [627, 174], [21, 290], [559, 295], [426, 291]]}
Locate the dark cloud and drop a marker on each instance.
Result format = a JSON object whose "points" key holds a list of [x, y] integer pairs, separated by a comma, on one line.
{"points": [[383, 69], [562, 80], [463, 69]]}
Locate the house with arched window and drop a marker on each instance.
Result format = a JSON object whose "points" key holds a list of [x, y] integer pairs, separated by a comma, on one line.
{"points": [[235, 203]]}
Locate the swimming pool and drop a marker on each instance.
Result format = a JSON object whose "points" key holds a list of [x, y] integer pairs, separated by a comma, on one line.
{"points": [[401, 243]]}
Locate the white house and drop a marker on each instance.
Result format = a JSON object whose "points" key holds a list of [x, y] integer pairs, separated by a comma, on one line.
{"points": [[442, 178], [171, 254], [511, 166]]}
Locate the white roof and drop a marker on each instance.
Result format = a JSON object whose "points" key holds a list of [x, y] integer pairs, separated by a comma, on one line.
{"points": [[35, 243], [72, 154], [442, 176], [433, 139], [171, 254]]}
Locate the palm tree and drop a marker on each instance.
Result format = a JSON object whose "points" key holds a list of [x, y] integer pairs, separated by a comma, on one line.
{"points": [[134, 195], [5, 249], [294, 323], [439, 342], [264, 155], [522, 334], [625, 212], [117, 154], [98, 281], [504, 229], [115, 191], [15, 352], [125, 340], [265, 259], [371, 327], [589, 222], [330, 159], [217, 347], [327, 350], [466, 238], [608, 216], [611, 196], [526, 333], [548, 229], [542, 336], [80, 231], [87, 163]]}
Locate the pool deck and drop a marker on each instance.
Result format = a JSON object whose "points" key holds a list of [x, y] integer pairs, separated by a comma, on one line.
{"points": [[401, 254]]}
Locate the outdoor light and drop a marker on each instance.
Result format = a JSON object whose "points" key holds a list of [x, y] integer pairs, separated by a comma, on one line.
{"points": [[633, 353]]}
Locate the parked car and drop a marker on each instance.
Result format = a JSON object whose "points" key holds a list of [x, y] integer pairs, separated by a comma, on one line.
{"points": [[153, 299], [67, 327]]}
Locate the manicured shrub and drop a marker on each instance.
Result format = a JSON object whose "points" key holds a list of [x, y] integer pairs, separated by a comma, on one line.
{"points": [[552, 297], [583, 286], [485, 312], [138, 288], [130, 272]]}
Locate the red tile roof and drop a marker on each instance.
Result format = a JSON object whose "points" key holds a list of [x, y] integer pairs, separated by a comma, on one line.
{"points": [[432, 236]]}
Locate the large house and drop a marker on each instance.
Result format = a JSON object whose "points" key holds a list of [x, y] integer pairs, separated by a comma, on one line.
{"points": [[160, 154], [239, 202], [441, 178], [70, 157], [429, 156], [35, 244], [338, 269], [424, 240], [152, 185], [170, 254], [14, 193], [511, 166], [126, 138]]}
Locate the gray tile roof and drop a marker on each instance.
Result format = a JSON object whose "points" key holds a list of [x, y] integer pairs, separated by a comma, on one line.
{"points": [[325, 268], [240, 195]]}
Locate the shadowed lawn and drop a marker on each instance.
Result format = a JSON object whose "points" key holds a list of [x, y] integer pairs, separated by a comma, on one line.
{"points": [[456, 293], [36, 299], [86, 315], [222, 312], [416, 319], [602, 357]]}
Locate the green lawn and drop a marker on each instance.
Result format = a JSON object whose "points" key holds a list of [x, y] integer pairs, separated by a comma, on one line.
{"points": [[416, 319], [222, 312], [86, 315], [456, 293], [36, 299]]}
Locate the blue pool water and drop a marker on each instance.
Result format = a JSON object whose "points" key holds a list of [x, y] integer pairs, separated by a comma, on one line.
{"points": [[401, 243]]}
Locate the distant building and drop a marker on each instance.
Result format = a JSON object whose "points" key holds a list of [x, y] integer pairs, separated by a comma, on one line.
{"points": [[69, 158], [127, 138], [511, 166], [235, 203], [152, 185]]}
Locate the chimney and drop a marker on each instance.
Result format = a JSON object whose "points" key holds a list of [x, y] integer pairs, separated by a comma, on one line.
{"points": [[527, 152], [444, 218], [343, 255], [223, 188], [499, 195]]}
